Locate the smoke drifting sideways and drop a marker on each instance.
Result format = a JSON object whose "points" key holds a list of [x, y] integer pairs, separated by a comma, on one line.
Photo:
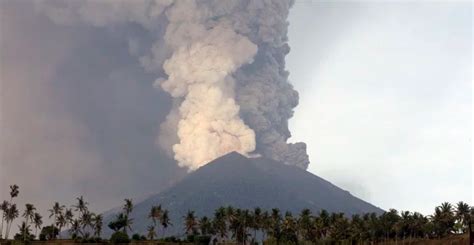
{"points": [[222, 62]]}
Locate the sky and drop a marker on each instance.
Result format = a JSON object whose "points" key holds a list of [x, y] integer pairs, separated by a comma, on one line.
{"points": [[386, 98], [385, 105]]}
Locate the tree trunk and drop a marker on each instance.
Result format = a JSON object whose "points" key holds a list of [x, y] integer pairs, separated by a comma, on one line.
{"points": [[8, 229], [26, 228], [1, 227]]}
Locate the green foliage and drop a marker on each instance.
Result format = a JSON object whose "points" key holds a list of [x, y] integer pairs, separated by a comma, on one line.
{"points": [[171, 239], [119, 222], [49, 233], [243, 225], [138, 237], [119, 237]]}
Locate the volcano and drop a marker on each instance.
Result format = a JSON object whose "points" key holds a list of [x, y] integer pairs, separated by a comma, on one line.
{"points": [[245, 183]]}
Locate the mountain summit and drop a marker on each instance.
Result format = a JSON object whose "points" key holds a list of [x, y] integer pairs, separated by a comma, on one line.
{"points": [[247, 183]]}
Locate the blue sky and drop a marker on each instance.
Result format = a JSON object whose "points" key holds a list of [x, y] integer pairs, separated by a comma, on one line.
{"points": [[385, 98]]}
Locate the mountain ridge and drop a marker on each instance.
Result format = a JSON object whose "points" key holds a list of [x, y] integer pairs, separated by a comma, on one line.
{"points": [[242, 182]]}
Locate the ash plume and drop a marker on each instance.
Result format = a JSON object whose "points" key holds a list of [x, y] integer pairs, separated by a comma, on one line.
{"points": [[223, 65]]}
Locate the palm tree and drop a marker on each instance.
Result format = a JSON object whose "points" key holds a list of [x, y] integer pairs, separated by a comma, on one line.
{"points": [[266, 224], [155, 213], [443, 219], [463, 215], [75, 228], [81, 205], [28, 214], [239, 224], [257, 221], [69, 216], [205, 225], [24, 232], [165, 221], [119, 222], [324, 223], [190, 223], [219, 222], [305, 224], [55, 211], [289, 228], [12, 214], [14, 191], [275, 227], [38, 221], [60, 222], [4, 208], [86, 221], [127, 208], [98, 222], [151, 232]]}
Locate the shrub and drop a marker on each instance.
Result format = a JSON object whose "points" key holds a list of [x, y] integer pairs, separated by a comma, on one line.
{"points": [[136, 237], [202, 239], [119, 237]]}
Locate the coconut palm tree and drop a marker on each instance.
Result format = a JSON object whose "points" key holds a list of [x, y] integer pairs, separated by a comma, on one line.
{"points": [[55, 211], [266, 224], [69, 216], [37, 221], [289, 228], [86, 220], [463, 215], [75, 228], [127, 208], [12, 214], [14, 191], [443, 219], [239, 224], [190, 223], [81, 205], [165, 221], [119, 222], [205, 225], [155, 213], [98, 223], [60, 222], [24, 232], [305, 224], [256, 221], [4, 208], [219, 222], [151, 234], [275, 225], [28, 214]]}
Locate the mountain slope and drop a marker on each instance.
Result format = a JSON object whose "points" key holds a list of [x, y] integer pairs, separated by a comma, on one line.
{"points": [[247, 183]]}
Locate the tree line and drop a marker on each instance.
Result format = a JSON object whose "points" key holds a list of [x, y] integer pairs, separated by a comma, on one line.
{"points": [[241, 225]]}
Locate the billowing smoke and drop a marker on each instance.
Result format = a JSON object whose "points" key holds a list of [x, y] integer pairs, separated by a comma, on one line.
{"points": [[223, 64]]}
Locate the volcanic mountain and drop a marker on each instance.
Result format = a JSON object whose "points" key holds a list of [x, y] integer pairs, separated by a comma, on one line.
{"points": [[245, 183]]}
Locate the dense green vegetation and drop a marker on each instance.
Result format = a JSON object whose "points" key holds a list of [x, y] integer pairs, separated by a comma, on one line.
{"points": [[240, 225]]}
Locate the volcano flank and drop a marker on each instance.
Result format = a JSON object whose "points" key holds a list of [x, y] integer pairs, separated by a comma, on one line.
{"points": [[246, 183]]}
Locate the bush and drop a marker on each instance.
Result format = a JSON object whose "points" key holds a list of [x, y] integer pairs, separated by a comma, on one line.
{"points": [[119, 237], [136, 237], [196, 239], [202, 239], [171, 239], [89, 240]]}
